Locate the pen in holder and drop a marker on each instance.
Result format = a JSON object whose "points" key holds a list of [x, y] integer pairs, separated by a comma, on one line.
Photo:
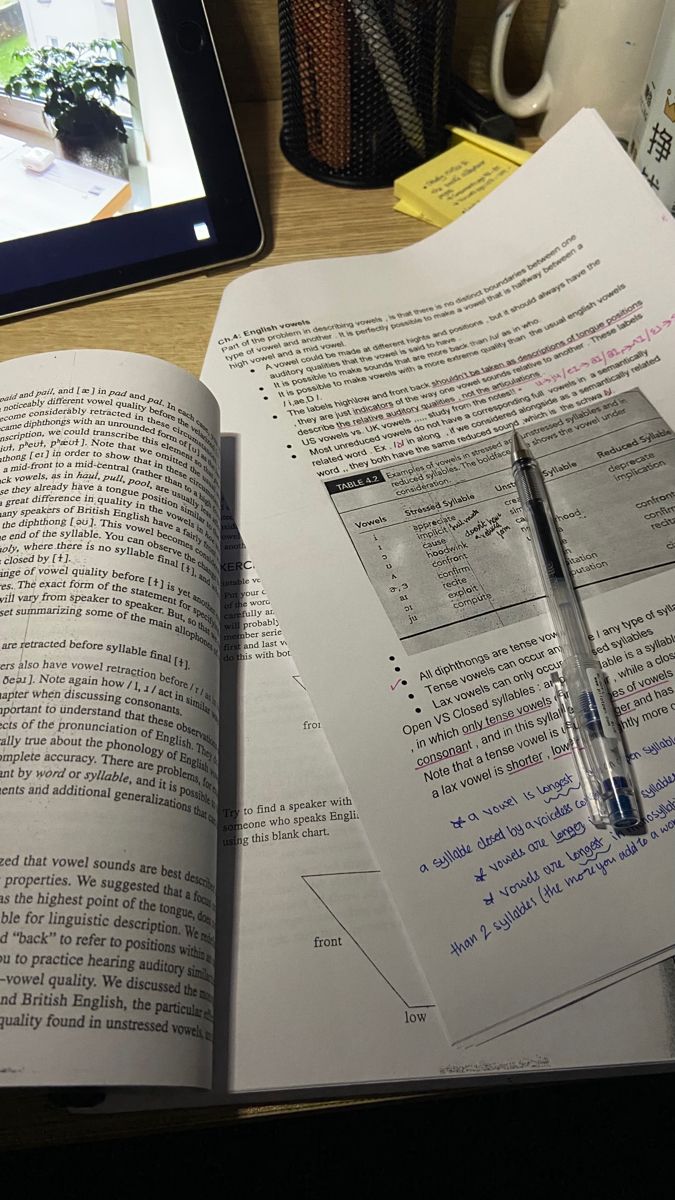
{"points": [[366, 86]]}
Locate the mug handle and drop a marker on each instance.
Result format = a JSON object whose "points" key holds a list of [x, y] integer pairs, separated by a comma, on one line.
{"points": [[532, 102]]}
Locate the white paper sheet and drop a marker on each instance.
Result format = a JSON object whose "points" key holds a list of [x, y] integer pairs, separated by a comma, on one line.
{"points": [[324, 988], [545, 302]]}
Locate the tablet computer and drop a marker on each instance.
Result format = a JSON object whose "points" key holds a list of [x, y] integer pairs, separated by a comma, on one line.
{"points": [[119, 158]]}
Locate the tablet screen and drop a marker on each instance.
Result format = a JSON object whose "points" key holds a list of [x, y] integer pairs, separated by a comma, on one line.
{"points": [[102, 179]]}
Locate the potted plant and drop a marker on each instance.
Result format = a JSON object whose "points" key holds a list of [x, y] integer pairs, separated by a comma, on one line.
{"points": [[77, 84]]}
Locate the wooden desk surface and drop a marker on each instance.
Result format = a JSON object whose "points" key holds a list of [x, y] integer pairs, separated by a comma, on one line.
{"points": [[303, 219]]}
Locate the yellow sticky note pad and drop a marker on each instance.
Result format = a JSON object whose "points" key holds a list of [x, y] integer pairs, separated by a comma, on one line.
{"points": [[445, 187], [404, 207], [513, 154]]}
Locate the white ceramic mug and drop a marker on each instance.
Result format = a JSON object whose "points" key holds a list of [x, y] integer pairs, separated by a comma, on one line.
{"points": [[596, 56]]}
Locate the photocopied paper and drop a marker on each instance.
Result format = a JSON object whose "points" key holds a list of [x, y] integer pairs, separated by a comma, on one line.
{"points": [[374, 400]]}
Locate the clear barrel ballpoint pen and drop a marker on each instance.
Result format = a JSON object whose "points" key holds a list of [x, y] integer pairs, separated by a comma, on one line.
{"points": [[586, 700]]}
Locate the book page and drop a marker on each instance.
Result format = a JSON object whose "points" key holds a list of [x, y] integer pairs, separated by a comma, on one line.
{"points": [[391, 385], [109, 599]]}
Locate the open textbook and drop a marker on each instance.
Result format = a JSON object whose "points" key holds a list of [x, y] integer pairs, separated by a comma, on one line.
{"points": [[118, 955], [375, 399], [118, 966], [148, 935]]}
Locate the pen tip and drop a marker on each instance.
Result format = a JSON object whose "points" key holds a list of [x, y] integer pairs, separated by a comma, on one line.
{"points": [[519, 451]]}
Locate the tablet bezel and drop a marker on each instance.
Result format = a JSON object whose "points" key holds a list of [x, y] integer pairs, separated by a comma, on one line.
{"points": [[235, 219]]}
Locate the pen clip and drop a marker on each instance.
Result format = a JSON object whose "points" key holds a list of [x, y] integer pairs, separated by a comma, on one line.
{"points": [[597, 813]]}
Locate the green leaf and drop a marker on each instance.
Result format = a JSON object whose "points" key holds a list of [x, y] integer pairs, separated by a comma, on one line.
{"points": [[71, 79]]}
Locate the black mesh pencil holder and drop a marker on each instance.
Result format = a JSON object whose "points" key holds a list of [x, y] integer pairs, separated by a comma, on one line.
{"points": [[366, 86]]}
